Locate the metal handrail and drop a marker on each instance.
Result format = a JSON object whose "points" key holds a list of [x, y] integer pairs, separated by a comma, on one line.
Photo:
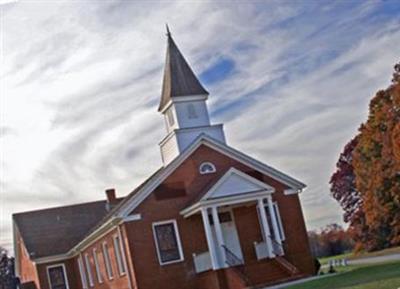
{"points": [[280, 245], [230, 258], [292, 268], [234, 261]]}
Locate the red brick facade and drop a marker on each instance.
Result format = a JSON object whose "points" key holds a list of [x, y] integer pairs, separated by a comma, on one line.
{"points": [[27, 270], [143, 268]]}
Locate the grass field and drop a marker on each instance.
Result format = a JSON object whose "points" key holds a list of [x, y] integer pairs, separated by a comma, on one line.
{"points": [[378, 276], [395, 250]]}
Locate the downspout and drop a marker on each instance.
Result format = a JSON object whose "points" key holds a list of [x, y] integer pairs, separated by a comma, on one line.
{"points": [[122, 244], [16, 244]]}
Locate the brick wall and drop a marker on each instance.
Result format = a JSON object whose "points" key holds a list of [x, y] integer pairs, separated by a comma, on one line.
{"points": [[27, 268], [142, 260], [119, 281], [150, 274]]}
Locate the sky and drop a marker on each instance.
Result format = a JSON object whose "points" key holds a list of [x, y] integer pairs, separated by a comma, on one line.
{"points": [[81, 81]]}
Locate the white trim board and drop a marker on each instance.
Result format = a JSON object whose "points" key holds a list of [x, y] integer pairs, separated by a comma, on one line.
{"points": [[233, 200]]}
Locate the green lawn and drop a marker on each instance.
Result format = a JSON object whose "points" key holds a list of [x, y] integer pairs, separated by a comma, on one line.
{"points": [[379, 276]]}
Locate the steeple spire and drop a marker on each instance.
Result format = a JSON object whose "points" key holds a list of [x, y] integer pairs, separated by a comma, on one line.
{"points": [[168, 32], [179, 79]]}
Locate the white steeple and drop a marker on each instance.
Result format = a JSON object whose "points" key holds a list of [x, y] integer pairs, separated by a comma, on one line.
{"points": [[183, 104]]}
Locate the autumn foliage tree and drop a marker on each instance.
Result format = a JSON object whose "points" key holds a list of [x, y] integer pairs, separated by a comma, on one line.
{"points": [[343, 183], [343, 189], [377, 166], [367, 180]]}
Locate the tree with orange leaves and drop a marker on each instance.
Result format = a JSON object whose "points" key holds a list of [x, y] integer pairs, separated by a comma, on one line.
{"points": [[377, 167]]}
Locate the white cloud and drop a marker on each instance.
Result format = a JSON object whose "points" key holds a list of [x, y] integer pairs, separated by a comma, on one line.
{"points": [[81, 82]]}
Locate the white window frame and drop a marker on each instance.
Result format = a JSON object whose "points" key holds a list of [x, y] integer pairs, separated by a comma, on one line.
{"points": [[83, 273], [64, 271], [97, 266], [118, 255], [107, 260], [178, 240], [89, 270], [213, 170]]}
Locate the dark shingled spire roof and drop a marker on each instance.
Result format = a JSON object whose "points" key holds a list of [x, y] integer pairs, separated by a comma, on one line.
{"points": [[179, 79]]}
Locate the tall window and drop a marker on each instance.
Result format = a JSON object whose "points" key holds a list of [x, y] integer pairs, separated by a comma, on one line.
{"points": [[96, 263], [118, 254], [57, 276], [89, 270], [82, 272], [169, 248], [107, 261]]}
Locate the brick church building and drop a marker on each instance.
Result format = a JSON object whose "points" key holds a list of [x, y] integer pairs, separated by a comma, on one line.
{"points": [[211, 217]]}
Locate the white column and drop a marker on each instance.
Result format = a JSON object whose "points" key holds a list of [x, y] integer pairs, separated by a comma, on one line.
{"points": [[209, 237], [274, 220], [220, 238], [264, 224]]}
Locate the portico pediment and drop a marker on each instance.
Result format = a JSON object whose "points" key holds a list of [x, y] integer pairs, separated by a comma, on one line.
{"points": [[235, 183]]}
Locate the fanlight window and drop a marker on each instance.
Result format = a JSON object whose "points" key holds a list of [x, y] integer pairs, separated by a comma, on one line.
{"points": [[207, 168]]}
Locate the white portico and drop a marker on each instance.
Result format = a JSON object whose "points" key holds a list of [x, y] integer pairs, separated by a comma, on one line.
{"points": [[235, 189]]}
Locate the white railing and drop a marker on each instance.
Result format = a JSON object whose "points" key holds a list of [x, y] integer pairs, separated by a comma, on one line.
{"points": [[261, 250], [277, 248], [202, 262]]}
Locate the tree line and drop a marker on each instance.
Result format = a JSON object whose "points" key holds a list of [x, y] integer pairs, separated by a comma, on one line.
{"points": [[330, 241], [7, 274]]}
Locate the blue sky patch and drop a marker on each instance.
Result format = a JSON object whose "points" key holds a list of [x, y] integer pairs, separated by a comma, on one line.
{"points": [[218, 72]]}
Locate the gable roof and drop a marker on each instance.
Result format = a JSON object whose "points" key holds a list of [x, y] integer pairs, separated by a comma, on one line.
{"points": [[179, 79], [56, 230], [203, 139]]}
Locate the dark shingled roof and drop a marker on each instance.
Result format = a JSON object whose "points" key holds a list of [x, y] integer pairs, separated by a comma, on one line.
{"points": [[56, 230], [115, 209], [179, 79]]}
